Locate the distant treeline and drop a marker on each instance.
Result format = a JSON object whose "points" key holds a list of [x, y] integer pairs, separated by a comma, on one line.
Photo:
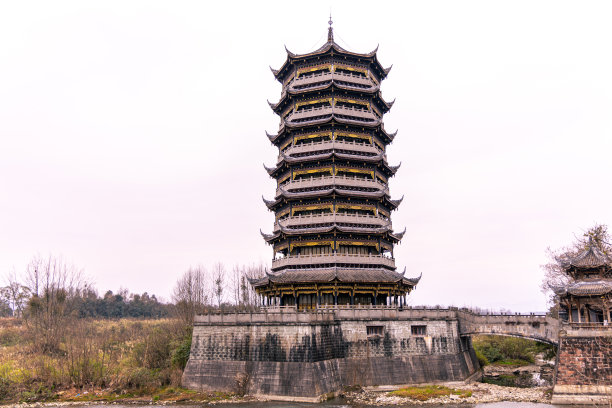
{"points": [[121, 305], [111, 305], [51, 290]]}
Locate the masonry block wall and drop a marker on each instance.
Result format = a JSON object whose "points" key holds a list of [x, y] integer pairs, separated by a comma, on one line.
{"points": [[304, 355], [584, 367], [585, 361]]}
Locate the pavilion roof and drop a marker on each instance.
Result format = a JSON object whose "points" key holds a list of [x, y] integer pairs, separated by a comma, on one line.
{"points": [[331, 119], [592, 257], [392, 204], [289, 159], [399, 235], [328, 118], [332, 85], [330, 48], [330, 228], [378, 159], [585, 288], [357, 275], [329, 191]]}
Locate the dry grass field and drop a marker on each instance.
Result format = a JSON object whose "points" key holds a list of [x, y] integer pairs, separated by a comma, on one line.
{"points": [[96, 360]]}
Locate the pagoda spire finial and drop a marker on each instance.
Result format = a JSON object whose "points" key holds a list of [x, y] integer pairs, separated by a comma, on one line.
{"points": [[330, 31]]}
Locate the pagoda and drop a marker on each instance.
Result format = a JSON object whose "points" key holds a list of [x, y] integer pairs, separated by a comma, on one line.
{"points": [[588, 296], [332, 239]]}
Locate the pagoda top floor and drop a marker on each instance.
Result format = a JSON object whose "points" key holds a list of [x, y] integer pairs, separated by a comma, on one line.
{"points": [[328, 53], [591, 263]]}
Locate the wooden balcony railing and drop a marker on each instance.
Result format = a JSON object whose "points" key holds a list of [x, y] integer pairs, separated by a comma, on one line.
{"points": [[358, 259]]}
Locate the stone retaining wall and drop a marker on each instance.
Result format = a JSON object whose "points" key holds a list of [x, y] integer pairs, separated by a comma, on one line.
{"points": [[304, 355]]}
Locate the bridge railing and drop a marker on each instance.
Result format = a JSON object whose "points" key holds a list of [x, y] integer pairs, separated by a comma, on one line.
{"points": [[473, 312], [586, 325]]}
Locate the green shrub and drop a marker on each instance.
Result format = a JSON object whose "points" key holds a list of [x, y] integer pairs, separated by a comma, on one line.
{"points": [[488, 350], [6, 389], [482, 359], [506, 350], [39, 394], [180, 353], [518, 349], [139, 378]]}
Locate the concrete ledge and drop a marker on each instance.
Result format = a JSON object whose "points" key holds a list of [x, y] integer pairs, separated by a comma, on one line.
{"points": [[582, 394], [601, 331], [266, 397]]}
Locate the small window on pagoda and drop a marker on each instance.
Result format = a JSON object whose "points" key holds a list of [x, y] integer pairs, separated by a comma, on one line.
{"points": [[307, 73], [374, 330], [350, 72], [310, 106], [418, 330]]}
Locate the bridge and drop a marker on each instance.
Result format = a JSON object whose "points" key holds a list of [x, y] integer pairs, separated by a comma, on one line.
{"points": [[539, 327]]}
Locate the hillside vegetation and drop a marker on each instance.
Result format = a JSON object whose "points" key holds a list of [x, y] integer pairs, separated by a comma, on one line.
{"points": [[102, 358]]}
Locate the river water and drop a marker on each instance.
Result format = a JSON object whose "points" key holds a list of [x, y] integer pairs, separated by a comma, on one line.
{"points": [[338, 404]]}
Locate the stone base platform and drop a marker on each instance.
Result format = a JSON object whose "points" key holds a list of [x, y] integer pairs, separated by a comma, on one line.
{"points": [[582, 395], [285, 354]]}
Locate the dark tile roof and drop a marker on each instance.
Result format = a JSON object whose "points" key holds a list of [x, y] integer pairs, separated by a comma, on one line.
{"points": [[586, 288], [347, 275], [331, 46], [592, 257], [380, 129]]}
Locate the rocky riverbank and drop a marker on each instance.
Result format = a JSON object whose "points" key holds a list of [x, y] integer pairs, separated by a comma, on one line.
{"points": [[461, 393], [468, 393]]}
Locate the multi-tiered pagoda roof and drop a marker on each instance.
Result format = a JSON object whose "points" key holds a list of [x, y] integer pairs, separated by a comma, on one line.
{"points": [[333, 238], [587, 297]]}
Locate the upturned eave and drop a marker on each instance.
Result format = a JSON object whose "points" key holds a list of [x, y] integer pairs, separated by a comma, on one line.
{"points": [[330, 48]]}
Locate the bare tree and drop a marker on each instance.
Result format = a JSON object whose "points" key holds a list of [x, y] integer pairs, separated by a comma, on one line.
{"points": [[55, 285], [190, 295], [15, 294], [33, 274], [235, 286], [219, 282], [5, 308], [554, 273], [244, 289], [251, 272]]}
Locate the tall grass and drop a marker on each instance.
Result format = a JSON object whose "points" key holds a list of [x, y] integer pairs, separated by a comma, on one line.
{"points": [[120, 355]]}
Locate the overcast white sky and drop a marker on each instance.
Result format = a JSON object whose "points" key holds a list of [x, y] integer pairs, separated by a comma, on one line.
{"points": [[132, 134]]}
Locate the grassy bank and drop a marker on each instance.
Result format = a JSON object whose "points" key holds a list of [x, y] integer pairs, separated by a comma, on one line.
{"points": [[427, 392], [96, 360], [509, 351]]}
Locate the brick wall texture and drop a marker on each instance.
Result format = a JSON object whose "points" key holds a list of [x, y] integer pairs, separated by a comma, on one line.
{"points": [[585, 361]]}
